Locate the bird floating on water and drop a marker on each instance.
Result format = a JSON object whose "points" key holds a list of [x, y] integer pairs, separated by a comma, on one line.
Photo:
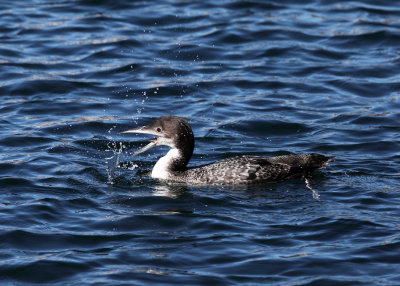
{"points": [[175, 132]]}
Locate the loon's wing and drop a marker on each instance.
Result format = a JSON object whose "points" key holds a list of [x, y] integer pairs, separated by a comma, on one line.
{"points": [[243, 170], [246, 170]]}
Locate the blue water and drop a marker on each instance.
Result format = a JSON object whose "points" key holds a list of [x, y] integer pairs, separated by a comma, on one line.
{"points": [[252, 77]]}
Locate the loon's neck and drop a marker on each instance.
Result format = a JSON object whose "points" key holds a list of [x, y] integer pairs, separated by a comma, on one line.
{"points": [[173, 161]]}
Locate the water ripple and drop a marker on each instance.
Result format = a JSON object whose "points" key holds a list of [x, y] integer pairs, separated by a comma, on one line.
{"points": [[260, 78]]}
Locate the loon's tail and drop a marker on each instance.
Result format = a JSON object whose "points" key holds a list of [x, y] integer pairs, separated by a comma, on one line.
{"points": [[317, 161], [302, 165], [312, 162]]}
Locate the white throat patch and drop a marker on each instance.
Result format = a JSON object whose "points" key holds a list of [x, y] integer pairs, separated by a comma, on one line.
{"points": [[161, 168]]}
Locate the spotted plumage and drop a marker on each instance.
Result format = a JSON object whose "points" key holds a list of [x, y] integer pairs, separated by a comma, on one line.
{"points": [[176, 133]]}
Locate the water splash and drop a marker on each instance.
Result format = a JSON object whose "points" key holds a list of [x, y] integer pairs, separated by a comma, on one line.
{"points": [[113, 161], [315, 193]]}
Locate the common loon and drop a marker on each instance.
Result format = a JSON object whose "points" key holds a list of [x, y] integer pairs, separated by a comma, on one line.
{"points": [[175, 132]]}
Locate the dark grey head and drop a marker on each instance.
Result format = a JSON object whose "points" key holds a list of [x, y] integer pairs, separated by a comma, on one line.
{"points": [[172, 131]]}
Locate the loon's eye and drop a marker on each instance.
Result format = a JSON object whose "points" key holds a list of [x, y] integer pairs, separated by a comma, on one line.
{"points": [[158, 129]]}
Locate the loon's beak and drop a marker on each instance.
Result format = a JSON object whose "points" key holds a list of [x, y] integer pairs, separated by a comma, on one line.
{"points": [[143, 130], [145, 148]]}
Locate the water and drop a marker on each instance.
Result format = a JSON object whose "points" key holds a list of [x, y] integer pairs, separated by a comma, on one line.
{"points": [[252, 77]]}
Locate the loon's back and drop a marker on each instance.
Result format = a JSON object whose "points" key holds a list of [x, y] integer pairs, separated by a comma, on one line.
{"points": [[253, 170]]}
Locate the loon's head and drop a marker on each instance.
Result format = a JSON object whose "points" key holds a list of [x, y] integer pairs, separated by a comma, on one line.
{"points": [[172, 131]]}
